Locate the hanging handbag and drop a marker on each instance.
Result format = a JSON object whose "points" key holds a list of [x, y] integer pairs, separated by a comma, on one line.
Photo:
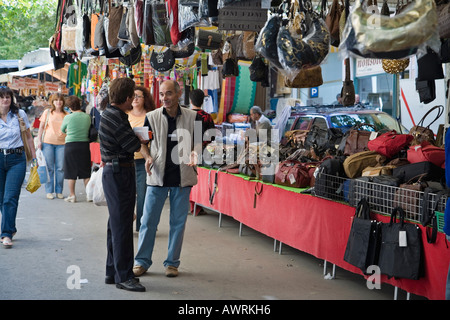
{"points": [[210, 40], [348, 88], [420, 132], [161, 24], [401, 251], [332, 21], [392, 38], [306, 78], [162, 61], [443, 11], [429, 66], [114, 19], [363, 244], [258, 69], [310, 49], [266, 44], [147, 24]]}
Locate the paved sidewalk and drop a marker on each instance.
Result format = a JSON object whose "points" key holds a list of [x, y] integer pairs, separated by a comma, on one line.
{"points": [[57, 241]]}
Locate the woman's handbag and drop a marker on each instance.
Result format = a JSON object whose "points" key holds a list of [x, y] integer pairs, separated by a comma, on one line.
{"points": [[391, 37], [427, 152], [420, 132], [408, 196], [208, 39], [332, 21], [306, 78], [24, 136], [266, 43], [401, 251], [355, 140], [292, 173], [348, 88], [363, 244], [162, 61], [390, 143], [444, 20], [93, 133]]}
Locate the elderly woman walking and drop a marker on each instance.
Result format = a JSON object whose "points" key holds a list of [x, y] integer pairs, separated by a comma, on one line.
{"points": [[77, 155]]}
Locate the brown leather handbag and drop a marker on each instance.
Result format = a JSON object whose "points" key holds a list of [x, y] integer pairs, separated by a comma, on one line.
{"points": [[348, 88], [292, 173], [332, 21], [424, 133], [306, 78], [356, 140], [408, 197]]}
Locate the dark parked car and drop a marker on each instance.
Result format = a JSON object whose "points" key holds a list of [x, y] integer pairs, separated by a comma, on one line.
{"points": [[343, 118]]}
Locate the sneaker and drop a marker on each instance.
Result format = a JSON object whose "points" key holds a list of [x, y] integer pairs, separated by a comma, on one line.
{"points": [[70, 199], [139, 270], [59, 196], [171, 271], [50, 196]]}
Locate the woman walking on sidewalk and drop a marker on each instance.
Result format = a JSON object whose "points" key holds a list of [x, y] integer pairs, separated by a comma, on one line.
{"points": [[13, 163], [77, 155], [51, 141]]}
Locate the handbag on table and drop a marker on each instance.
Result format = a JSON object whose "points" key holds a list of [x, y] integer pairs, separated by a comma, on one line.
{"points": [[389, 143], [420, 132], [401, 251], [408, 196], [427, 152], [292, 173]]}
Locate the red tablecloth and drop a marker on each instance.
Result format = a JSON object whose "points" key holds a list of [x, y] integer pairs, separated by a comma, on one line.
{"points": [[314, 225]]}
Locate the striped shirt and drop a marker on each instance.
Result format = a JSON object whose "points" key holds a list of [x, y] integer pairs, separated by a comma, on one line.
{"points": [[117, 138]]}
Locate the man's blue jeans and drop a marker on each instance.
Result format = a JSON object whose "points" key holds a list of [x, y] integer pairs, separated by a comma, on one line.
{"points": [[54, 158], [154, 203], [12, 173]]}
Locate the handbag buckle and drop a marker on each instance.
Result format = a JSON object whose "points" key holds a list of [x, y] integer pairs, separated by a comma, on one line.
{"points": [[209, 40]]}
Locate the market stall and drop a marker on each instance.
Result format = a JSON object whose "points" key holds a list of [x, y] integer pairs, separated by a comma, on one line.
{"points": [[313, 225]]}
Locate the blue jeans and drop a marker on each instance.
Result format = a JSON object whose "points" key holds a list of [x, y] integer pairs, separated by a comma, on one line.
{"points": [[54, 158], [12, 173], [154, 203], [141, 188], [447, 286]]}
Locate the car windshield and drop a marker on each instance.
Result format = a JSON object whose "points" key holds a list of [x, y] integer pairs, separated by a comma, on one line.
{"points": [[380, 121]]}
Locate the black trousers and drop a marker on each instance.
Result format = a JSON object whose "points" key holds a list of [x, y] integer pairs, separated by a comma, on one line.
{"points": [[120, 194]]}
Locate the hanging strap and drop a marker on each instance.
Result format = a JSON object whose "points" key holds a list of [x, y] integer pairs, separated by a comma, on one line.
{"points": [[257, 192]]}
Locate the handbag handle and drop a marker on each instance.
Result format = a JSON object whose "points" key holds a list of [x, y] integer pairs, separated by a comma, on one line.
{"points": [[402, 215], [363, 209], [440, 112]]}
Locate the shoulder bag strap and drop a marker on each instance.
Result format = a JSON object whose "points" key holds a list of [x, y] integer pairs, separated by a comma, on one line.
{"points": [[45, 125]]}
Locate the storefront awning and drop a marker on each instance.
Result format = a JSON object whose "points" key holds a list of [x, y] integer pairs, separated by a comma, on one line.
{"points": [[27, 72]]}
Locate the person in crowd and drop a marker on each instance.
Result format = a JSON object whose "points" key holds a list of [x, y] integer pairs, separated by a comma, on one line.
{"points": [[118, 143], [263, 125], [51, 141], [196, 98], [170, 164], [77, 155], [142, 103], [13, 163], [338, 100]]}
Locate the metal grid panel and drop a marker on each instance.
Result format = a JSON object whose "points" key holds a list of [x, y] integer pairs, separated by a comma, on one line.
{"points": [[382, 198]]}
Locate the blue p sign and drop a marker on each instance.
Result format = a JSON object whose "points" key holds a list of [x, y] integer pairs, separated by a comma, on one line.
{"points": [[314, 92]]}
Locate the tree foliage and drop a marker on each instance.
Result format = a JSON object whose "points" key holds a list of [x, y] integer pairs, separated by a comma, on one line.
{"points": [[26, 25]]}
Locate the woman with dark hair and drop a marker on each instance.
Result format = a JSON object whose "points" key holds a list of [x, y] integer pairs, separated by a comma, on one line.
{"points": [[77, 155], [51, 140], [142, 103], [13, 163]]}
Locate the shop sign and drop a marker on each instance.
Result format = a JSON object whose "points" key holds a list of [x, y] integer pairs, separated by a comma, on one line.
{"points": [[243, 15], [368, 67], [32, 83]]}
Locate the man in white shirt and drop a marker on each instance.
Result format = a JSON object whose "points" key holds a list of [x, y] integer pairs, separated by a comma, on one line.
{"points": [[262, 124]]}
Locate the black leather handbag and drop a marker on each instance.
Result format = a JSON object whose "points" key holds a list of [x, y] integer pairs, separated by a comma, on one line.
{"points": [[401, 250], [363, 242], [162, 61], [208, 39]]}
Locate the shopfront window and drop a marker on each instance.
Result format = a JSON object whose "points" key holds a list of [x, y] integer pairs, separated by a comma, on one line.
{"points": [[377, 91]]}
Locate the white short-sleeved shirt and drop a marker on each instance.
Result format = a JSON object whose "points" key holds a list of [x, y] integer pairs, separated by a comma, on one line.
{"points": [[10, 137]]}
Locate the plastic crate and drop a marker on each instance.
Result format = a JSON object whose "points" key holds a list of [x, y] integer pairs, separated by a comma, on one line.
{"points": [[440, 220]]}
